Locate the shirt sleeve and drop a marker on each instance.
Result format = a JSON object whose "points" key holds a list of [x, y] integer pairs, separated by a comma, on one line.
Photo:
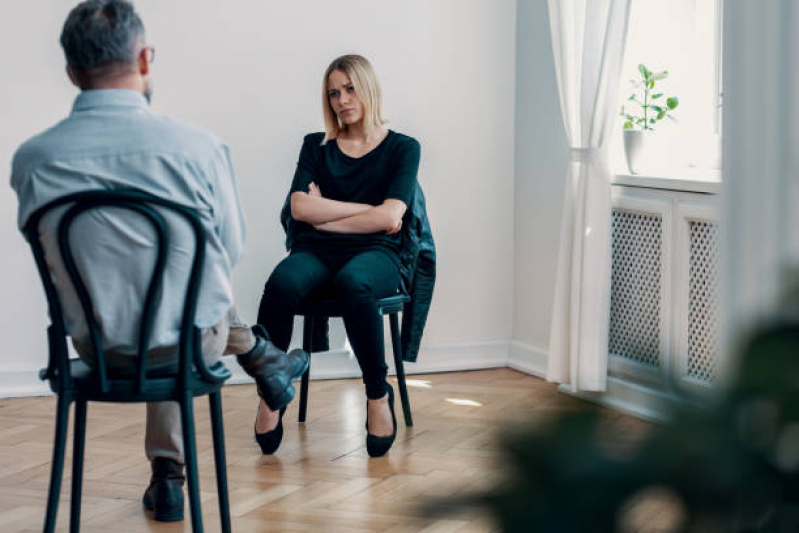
{"points": [[24, 186], [406, 168], [228, 215], [306, 166]]}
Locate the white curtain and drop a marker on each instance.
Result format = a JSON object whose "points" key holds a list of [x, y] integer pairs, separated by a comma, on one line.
{"points": [[760, 146], [588, 38]]}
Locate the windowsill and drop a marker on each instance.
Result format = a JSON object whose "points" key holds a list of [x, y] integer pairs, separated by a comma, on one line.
{"points": [[704, 181]]}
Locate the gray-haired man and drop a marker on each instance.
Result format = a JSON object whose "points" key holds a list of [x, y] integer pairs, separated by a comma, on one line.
{"points": [[112, 140]]}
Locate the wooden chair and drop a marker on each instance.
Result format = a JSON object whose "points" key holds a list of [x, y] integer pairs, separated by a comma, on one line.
{"points": [[74, 381]]}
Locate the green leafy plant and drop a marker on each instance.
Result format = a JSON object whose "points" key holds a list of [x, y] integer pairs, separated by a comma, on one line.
{"points": [[650, 107]]}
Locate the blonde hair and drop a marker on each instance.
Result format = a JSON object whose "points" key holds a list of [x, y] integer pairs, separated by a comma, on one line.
{"points": [[364, 81]]}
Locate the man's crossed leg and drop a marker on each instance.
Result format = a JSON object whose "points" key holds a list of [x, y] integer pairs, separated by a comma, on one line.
{"points": [[273, 371]]}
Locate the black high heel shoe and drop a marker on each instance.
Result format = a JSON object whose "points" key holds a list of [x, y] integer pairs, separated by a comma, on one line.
{"points": [[378, 446], [270, 440]]}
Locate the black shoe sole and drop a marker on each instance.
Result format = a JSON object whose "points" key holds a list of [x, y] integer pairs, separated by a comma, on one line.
{"points": [[168, 517], [161, 516]]}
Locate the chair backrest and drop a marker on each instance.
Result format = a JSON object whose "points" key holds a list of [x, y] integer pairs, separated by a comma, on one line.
{"points": [[143, 204]]}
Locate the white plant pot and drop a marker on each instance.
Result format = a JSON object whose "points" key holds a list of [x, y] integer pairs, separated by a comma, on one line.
{"points": [[633, 148]]}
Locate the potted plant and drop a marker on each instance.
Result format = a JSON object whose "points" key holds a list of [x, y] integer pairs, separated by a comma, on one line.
{"points": [[642, 112]]}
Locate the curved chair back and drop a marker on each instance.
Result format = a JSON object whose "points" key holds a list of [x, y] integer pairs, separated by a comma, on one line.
{"points": [[143, 204]]}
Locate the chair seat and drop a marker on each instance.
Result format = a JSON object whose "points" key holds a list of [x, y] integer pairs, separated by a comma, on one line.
{"points": [[330, 308], [162, 384]]}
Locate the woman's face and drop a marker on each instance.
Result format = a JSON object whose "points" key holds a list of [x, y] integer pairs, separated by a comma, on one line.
{"points": [[343, 100]]}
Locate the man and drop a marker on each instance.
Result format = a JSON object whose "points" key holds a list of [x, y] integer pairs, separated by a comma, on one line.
{"points": [[112, 140]]}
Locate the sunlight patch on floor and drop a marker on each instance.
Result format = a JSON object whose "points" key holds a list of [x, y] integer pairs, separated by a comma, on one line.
{"points": [[461, 401]]}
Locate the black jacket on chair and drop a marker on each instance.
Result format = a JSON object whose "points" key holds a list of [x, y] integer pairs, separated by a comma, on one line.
{"points": [[417, 269]]}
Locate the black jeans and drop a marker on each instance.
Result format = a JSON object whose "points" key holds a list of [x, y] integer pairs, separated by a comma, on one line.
{"points": [[357, 280]]}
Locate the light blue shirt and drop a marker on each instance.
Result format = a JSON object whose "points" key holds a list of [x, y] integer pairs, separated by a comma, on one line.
{"points": [[112, 140]]}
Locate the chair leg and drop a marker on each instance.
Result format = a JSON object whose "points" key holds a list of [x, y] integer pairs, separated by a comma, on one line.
{"points": [[396, 345], [190, 452], [218, 432], [307, 340], [77, 464], [57, 468]]}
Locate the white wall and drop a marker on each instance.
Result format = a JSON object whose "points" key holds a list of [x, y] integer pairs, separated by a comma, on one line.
{"points": [[250, 71], [540, 172]]}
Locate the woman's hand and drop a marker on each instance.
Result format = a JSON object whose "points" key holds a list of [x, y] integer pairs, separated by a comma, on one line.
{"points": [[395, 229], [316, 192]]}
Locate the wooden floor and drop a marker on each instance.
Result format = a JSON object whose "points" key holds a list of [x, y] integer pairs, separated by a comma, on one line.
{"points": [[321, 478]]}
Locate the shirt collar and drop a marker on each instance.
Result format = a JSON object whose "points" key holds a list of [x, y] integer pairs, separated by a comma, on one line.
{"points": [[100, 98]]}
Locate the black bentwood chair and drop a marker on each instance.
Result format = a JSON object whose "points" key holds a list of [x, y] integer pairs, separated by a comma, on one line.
{"points": [[74, 381], [327, 308]]}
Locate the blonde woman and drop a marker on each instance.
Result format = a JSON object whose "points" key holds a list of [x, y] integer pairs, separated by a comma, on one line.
{"points": [[351, 189]]}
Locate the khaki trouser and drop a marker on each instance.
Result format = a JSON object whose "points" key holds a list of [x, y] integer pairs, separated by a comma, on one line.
{"points": [[164, 434]]}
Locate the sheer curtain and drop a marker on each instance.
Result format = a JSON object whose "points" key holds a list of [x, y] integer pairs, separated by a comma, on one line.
{"points": [[588, 38], [760, 165]]}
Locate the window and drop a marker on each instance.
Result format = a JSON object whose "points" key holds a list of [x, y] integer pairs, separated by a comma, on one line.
{"points": [[682, 37]]}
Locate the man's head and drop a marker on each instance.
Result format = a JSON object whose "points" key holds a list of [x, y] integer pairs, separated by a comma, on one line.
{"points": [[104, 45]]}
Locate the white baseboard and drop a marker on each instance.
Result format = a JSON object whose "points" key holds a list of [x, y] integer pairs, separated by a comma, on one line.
{"points": [[335, 364], [446, 357], [15, 384], [641, 401], [528, 359], [443, 357]]}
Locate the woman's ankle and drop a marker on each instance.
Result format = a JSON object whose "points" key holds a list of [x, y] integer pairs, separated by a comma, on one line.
{"points": [[384, 399], [265, 418], [379, 417]]}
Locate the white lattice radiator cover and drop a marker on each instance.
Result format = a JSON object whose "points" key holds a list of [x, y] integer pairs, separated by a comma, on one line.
{"points": [[641, 278], [703, 303], [636, 284]]}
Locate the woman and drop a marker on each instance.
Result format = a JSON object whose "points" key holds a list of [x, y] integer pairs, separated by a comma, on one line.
{"points": [[352, 186]]}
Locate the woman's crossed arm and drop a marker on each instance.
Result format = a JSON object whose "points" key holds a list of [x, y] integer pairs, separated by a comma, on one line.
{"points": [[346, 217], [312, 208], [384, 217]]}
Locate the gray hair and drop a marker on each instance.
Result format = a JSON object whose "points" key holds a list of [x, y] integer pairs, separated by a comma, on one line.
{"points": [[101, 33]]}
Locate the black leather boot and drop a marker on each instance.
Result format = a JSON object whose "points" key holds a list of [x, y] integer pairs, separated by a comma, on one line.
{"points": [[273, 369], [164, 496]]}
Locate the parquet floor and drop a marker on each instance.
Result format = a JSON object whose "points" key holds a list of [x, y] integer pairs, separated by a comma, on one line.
{"points": [[321, 478]]}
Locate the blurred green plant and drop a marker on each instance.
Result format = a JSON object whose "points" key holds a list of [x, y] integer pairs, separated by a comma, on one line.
{"points": [[731, 465], [649, 106]]}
